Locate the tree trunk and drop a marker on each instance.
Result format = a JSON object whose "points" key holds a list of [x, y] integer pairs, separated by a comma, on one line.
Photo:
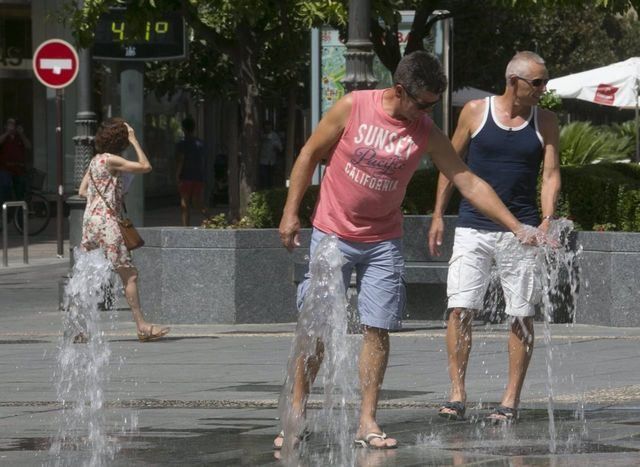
{"points": [[233, 157], [250, 129]]}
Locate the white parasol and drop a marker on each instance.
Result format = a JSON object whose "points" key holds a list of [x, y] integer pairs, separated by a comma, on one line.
{"points": [[616, 85]]}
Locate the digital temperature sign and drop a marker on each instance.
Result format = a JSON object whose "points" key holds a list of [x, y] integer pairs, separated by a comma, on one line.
{"points": [[159, 39]]}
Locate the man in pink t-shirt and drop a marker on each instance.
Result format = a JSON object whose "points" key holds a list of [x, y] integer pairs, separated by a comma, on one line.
{"points": [[373, 141]]}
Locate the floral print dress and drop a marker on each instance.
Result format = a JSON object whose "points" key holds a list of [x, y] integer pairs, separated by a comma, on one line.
{"points": [[99, 225]]}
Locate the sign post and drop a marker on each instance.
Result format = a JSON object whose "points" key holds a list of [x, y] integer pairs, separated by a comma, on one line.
{"points": [[55, 64]]}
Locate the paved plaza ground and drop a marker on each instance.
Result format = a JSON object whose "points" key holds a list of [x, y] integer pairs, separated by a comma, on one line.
{"points": [[207, 395]]}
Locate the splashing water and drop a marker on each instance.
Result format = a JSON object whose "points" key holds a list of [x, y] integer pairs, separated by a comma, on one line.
{"points": [[560, 265], [430, 440], [80, 374], [322, 330]]}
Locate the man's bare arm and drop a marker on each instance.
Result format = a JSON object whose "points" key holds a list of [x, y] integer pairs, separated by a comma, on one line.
{"points": [[23, 137], [317, 147], [179, 164], [461, 137], [467, 123], [551, 182]]}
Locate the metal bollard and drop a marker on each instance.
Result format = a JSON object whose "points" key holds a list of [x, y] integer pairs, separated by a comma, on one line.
{"points": [[25, 231]]}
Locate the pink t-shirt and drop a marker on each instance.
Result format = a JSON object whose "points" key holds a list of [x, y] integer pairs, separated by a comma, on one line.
{"points": [[368, 172]]}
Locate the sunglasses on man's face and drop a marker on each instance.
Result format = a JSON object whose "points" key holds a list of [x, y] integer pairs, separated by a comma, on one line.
{"points": [[419, 104], [536, 83]]}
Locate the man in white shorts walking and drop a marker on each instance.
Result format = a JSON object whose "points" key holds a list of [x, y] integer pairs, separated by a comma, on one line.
{"points": [[505, 140]]}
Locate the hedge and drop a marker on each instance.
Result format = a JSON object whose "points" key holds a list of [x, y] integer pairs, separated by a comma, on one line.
{"points": [[596, 197]]}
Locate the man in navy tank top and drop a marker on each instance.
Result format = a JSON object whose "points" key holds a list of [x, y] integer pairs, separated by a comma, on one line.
{"points": [[506, 140]]}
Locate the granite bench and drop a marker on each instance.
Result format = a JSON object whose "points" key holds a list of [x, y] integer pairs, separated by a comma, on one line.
{"points": [[425, 275], [246, 276]]}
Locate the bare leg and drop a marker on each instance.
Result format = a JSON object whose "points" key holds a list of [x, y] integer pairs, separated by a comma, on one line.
{"points": [[307, 367], [520, 350], [129, 278], [198, 203], [184, 210], [459, 342], [373, 364]]}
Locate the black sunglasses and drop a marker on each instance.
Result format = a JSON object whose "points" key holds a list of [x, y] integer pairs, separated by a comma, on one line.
{"points": [[536, 83], [420, 105]]}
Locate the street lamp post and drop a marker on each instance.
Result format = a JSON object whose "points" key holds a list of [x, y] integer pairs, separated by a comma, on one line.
{"points": [[83, 141], [85, 120], [359, 54]]}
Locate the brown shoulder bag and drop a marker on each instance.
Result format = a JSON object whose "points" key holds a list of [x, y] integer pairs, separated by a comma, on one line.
{"points": [[130, 235]]}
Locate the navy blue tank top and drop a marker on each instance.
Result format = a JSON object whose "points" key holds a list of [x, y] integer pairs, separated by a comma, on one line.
{"points": [[509, 160]]}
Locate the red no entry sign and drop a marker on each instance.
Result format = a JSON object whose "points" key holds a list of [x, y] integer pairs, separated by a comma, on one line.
{"points": [[55, 63]]}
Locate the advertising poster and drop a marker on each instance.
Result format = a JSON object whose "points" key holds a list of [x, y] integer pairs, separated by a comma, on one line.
{"points": [[333, 61]]}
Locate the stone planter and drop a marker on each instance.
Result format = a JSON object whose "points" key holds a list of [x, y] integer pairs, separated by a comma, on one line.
{"points": [[217, 276], [609, 279], [246, 276]]}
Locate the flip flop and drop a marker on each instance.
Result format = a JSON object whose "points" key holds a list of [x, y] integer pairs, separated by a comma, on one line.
{"points": [[81, 338], [458, 408], [503, 414], [366, 441], [153, 336], [304, 436]]}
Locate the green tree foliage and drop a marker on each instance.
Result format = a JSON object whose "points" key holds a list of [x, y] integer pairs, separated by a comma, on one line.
{"points": [[602, 196], [570, 33], [571, 36], [253, 43], [247, 49], [551, 101], [582, 143]]}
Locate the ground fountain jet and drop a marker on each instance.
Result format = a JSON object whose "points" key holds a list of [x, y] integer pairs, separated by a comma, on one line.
{"points": [[82, 363], [560, 266], [322, 328], [558, 263]]}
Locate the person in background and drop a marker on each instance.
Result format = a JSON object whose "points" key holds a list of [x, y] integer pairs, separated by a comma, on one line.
{"points": [[102, 186], [269, 151], [190, 171], [14, 161]]}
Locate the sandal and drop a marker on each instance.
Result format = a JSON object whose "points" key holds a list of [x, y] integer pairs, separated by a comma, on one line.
{"points": [[81, 338], [366, 441], [503, 414], [153, 336], [458, 408], [304, 436]]}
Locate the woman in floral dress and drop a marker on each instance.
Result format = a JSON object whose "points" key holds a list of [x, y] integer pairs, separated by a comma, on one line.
{"points": [[100, 227]]}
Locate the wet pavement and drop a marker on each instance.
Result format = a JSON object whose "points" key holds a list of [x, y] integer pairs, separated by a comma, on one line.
{"points": [[207, 395]]}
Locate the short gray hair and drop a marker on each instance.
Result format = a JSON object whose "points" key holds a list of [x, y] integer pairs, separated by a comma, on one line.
{"points": [[519, 64]]}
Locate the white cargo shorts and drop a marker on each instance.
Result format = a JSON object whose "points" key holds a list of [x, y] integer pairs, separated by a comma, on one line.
{"points": [[518, 267]]}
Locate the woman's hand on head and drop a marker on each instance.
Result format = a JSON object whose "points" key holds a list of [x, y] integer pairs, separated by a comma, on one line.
{"points": [[132, 133]]}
